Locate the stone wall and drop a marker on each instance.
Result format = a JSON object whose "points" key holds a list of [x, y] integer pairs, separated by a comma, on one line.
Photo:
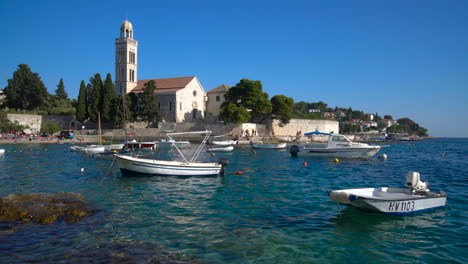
{"points": [[32, 121], [304, 126]]}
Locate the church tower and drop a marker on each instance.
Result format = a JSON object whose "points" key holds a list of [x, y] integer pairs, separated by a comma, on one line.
{"points": [[126, 58]]}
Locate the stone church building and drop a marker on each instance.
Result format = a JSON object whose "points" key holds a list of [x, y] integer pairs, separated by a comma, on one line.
{"points": [[179, 99]]}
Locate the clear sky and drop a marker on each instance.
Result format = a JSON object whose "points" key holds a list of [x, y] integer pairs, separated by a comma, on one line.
{"points": [[403, 58]]}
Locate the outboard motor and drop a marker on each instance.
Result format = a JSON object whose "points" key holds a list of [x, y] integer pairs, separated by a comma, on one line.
{"points": [[294, 149], [415, 184], [224, 162]]}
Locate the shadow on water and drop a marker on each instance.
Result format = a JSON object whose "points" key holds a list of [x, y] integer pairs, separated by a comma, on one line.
{"points": [[355, 220]]}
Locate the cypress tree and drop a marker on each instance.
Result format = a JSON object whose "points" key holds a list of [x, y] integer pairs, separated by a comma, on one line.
{"points": [[150, 112], [60, 92], [107, 98], [81, 107], [95, 96]]}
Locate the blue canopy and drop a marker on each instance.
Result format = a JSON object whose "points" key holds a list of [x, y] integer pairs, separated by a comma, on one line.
{"points": [[316, 133]]}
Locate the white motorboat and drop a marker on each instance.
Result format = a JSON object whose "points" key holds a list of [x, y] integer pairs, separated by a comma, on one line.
{"points": [[223, 143], [220, 149], [394, 201], [338, 146], [186, 167], [268, 145], [137, 145], [2, 151]]}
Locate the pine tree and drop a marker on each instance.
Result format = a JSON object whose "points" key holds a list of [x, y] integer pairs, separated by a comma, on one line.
{"points": [[95, 96], [107, 98], [60, 93], [82, 108], [150, 112], [26, 90]]}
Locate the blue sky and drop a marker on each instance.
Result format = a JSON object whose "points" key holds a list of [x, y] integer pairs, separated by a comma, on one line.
{"points": [[403, 58]]}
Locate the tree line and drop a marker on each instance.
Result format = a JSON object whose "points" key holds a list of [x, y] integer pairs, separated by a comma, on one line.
{"points": [[26, 93]]}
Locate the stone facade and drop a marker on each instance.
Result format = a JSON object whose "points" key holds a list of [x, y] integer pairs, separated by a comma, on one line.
{"points": [[304, 126], [34, 122], [126, 60], [190, 102], [215, 98]]}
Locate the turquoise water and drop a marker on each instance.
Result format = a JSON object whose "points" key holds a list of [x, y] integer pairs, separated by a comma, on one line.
{"points": [[277, 211]]}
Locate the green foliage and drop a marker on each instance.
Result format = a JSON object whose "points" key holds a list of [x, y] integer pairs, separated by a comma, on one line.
{"points": [[232, 113], [95, 96], [49, 127], [60, 92], [107, 98], [388, 117], [6, 126], [406, 125], [356, 114], [349, 128], [282, 108], [249, 95], [150, 112], [82, 106], [121, 109], [26, 90]]}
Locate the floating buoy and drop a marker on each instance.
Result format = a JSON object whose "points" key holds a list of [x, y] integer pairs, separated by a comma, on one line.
{"points": [[305, 164], [239, 172], [383, 156], [85, 152], [46, 149], [443, 154], [82, 169], [213, 155], [254, 152], [336, 160]]}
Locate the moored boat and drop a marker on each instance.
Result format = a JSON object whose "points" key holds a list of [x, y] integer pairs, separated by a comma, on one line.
{"points": [[394, 201], [186, 167], [2, 151], [223, 143], [338, 146], [220, 149], [268, 145]]}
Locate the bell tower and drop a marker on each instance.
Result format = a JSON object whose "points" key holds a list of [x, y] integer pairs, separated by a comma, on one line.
{"points": [[126, 60]]}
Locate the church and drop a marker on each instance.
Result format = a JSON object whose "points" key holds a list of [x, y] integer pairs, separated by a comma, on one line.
{"points": [[180, 99]]}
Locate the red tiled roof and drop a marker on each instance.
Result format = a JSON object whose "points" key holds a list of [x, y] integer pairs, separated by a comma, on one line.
{"points": [[164, 85]]}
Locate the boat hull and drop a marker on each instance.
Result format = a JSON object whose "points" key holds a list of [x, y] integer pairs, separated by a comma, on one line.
{"points": [[224, 143], [340, 152], [133, 165], [220, 149], [391, 201], [268, 146]]}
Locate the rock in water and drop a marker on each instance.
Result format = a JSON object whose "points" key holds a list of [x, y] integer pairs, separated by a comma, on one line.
{"points": [[44, 208]]}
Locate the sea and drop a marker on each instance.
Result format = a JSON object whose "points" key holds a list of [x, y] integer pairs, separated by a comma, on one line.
{"points": [[269, 207]]}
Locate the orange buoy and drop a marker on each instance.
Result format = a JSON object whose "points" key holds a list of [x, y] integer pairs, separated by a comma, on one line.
{"points": [[305, 163], [254, 152], [213, 155], [239, 172]]}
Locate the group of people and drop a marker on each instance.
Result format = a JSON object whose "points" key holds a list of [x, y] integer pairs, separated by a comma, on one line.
{"points": [[247, 133]]}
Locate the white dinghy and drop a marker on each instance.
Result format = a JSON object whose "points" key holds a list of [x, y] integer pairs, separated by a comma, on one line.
{"points": [[394, 201], [2, 151], [220, 149], [186, 167]]}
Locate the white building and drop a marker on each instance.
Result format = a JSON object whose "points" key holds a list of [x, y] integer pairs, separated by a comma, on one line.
{"points": [[215, 98], [179, 99]]}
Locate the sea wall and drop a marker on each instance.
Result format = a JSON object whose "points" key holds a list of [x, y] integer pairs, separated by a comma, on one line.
{"points": [[32, 121], [297, 127]]}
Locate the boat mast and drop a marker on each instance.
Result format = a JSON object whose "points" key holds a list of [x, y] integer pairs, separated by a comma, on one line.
{"points": [[99, 128]]}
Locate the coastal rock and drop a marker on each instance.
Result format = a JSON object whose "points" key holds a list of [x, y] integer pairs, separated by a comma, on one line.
{"points": [[44, 208]]}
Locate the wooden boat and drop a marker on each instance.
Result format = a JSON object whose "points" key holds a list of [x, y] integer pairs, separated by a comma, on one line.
{"points": [[394, 201], [220, 149], [268, 145], [338, 146], [186, 167]]}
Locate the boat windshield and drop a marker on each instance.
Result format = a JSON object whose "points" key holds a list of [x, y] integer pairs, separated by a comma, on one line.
{"points": [[339, 139]]}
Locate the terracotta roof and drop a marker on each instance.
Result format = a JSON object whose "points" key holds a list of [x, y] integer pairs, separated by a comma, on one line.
{"points": [[221, 88], [165, 85]]}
